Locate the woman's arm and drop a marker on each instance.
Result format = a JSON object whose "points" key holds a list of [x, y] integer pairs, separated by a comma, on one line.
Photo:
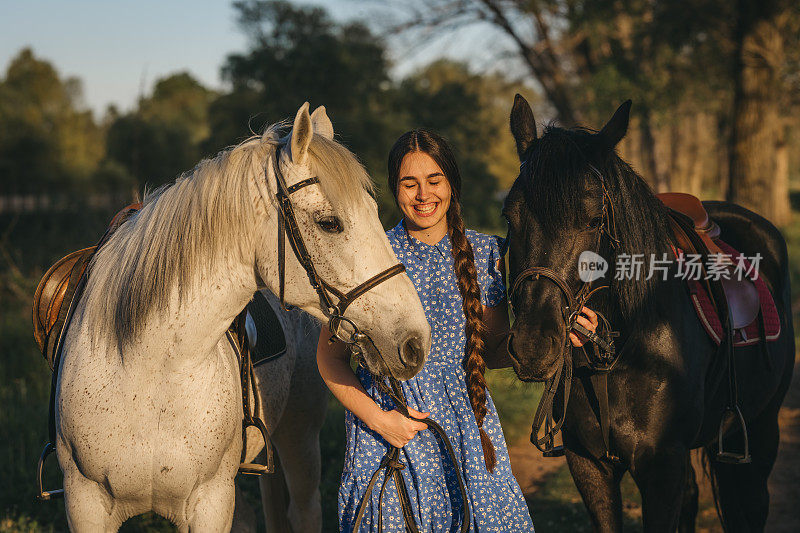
{"points": [[334, 367], [496, 320]]}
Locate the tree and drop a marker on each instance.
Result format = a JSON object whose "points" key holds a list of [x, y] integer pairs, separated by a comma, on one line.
{"points": [[48, 141], [758, 172], [717, 72], [163, 136], [298, 54]]}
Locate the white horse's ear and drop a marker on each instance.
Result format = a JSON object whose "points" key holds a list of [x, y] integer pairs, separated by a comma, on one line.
{"points": [[322, 124], [302, 130]]}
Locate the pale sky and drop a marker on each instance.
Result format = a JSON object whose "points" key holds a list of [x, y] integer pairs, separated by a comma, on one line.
{"points": [[118, 48]]}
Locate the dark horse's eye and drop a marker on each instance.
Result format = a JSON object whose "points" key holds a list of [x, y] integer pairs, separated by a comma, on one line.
{"points": [[595, 223], [330, 224]]}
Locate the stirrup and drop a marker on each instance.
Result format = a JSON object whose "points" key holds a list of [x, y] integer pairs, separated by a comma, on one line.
{"points": [[45, 495], [733, 457], [555, 451], [256, 469]]}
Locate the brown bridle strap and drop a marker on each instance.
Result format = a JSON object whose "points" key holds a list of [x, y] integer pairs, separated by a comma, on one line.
{"points": [[288, 227], [345, 299], [391, 467]]}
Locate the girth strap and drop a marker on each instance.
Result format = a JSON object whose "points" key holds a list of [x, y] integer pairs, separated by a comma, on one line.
{"points": [[391, 467]]}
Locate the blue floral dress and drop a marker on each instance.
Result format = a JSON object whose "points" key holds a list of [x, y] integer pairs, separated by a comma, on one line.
{"points": [[496, 500]]}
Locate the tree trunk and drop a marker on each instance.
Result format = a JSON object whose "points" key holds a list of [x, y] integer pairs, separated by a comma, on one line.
{"points": [[756, 117], [783, 208], [648, 146]]}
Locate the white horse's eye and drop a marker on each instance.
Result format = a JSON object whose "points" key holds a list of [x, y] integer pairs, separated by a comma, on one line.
{"points": [[330, 224]]}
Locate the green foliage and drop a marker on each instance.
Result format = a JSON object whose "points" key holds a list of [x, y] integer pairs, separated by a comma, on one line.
{"points": [[162, 138], [299, 54], [47, 139]]}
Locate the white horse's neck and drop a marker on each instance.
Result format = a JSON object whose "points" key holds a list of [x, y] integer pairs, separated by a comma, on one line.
{"points": [[190, 327], [186, 333]]}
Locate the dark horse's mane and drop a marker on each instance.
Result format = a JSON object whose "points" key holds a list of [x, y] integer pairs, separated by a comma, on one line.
{"points": [[561, 161]]}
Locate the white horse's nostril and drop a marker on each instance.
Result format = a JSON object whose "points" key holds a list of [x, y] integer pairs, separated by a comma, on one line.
{"points": [[411, 351]]}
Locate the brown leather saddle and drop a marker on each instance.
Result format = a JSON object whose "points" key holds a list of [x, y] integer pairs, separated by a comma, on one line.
{"points": [[57, 286], [740, 294], [737, 302]]}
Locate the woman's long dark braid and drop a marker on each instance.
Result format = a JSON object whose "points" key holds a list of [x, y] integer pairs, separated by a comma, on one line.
{"points": [[464, 259], [475, 328]]}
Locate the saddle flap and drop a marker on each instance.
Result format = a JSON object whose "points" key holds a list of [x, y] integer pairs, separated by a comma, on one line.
{"points": [[264, 330], [743, 301], [746, 299], [50, 297]]}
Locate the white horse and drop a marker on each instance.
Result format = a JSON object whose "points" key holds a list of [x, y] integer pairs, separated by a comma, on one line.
{"points": [[294, 400], [148, 401]]}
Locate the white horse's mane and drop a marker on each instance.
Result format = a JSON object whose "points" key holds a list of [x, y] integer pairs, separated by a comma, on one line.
{"points": [[203, 217]]}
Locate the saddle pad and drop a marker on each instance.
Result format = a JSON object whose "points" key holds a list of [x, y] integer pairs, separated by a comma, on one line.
{"points": [[270, 342], [749, 334]]}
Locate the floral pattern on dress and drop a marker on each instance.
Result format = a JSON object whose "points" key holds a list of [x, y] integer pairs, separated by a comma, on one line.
{"points": [[496, 500]]}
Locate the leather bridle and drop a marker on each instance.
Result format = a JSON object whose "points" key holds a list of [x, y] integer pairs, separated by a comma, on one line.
{"points": [[333, 310], [604, 355]]}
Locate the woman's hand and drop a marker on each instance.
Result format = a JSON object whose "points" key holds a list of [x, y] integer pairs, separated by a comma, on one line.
{"points": [[589, 321], [396, 428]]}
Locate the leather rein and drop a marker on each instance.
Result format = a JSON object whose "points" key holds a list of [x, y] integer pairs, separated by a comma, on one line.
{"points": [[604, 354], [334, 311]]}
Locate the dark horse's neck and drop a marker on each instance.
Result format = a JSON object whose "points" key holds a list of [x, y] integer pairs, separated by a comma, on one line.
{"points": [[641, 225]]}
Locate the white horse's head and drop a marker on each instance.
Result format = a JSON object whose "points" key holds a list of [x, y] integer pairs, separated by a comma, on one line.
{"points": [[338, 221]]}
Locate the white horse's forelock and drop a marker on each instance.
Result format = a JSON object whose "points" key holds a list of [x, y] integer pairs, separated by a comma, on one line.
{"points": [[204, 217]]}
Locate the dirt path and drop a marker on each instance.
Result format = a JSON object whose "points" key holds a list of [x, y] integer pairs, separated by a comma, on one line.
{"points": [[784, 483], [535, 473], [530, 468]]}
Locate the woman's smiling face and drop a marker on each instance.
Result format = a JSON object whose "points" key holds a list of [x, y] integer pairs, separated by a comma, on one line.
{"points": [[423, 193]]}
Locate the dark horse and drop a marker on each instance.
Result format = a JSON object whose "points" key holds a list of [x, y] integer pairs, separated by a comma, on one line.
{"points": [[662, 400]]}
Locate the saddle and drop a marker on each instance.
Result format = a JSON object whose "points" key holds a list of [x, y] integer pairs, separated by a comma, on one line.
{"points": [[734, 311], [58, 286], [745, 298]]}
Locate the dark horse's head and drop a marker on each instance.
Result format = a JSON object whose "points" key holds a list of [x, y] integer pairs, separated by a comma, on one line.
{"points": [[574, 194]]}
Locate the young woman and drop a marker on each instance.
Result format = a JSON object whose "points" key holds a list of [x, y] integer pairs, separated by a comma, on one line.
{"points": [[457, 274]]}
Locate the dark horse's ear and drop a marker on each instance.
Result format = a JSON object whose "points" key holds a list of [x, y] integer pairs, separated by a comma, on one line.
{"points": [[617, 127], [523, 126]]}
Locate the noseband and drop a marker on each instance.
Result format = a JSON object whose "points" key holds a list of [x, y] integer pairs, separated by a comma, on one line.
{"points": [[600, 362], [333, 310]]}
